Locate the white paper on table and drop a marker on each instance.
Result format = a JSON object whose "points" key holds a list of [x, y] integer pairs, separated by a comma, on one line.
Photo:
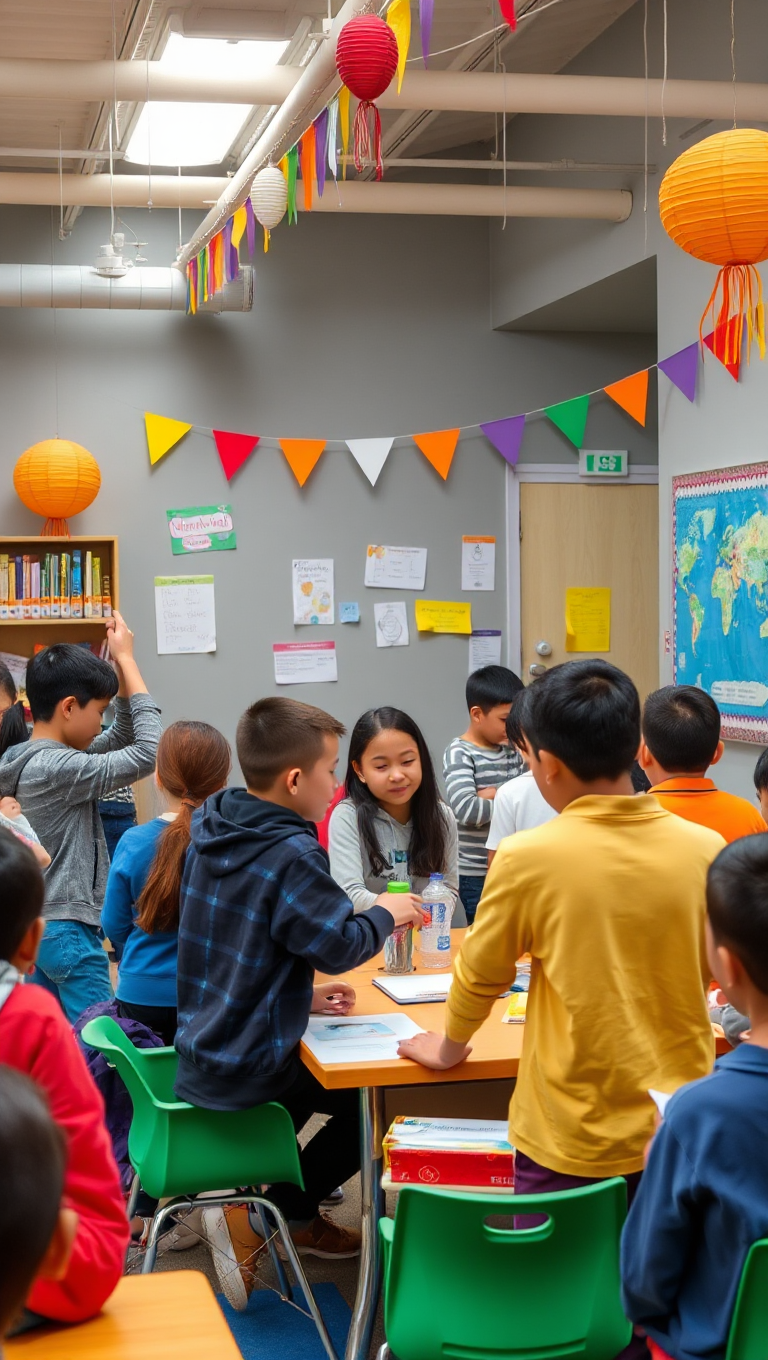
{"points": [[313, 590], [395, 568], [304, 663], [660, 1099], [391, 624], [358, 1038], [484, 648], [415, 987], [185, 614], [478, 563]]}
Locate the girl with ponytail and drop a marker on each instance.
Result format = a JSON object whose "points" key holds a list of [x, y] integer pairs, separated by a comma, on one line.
{"points": [[141, 907]]}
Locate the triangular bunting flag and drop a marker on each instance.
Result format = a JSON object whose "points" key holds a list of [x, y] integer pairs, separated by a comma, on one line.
{"points": [[631, 394], [439, 448], [507, 8], [681, 369], [371, 455], [234, 449], [506, 436], [570, 417], [399, 20], [722, 343], [302, 454], [162, 434]]}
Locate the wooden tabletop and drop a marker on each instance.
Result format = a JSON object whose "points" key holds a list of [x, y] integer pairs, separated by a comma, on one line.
{"points": [[170, 1316]]}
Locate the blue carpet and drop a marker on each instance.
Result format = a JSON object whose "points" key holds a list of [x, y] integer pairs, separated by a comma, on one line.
{"points": [[272, 1330]]}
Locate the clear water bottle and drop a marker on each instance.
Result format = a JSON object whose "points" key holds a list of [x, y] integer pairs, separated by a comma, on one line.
{"points": [[436, 936], [398, 947]]}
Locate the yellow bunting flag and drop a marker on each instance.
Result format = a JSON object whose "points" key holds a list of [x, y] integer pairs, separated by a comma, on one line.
{"points": [[443, 616], [439, 448], [344, 124], [302, 454], [162, 434], [631, 394], [399, 20], [239, 224]]}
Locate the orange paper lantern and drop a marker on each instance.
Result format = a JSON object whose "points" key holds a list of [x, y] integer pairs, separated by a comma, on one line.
{"points": [[713, 203], [57, 478]]}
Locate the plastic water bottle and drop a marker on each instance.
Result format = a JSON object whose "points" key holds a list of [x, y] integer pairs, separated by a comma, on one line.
{"points": [[398, 947], [436, 937]]}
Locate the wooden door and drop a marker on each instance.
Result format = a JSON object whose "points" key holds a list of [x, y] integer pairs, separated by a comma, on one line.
{"points": [[578, 534]]}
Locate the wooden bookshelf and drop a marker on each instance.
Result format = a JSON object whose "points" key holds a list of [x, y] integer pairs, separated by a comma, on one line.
{"points": [[20, 636]]}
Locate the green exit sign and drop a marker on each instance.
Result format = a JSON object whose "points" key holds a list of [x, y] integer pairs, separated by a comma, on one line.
{"points": [[603, 463]]}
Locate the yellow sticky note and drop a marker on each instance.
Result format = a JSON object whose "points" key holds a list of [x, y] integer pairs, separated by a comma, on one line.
{"points": [[588, 619], [443, 616]]}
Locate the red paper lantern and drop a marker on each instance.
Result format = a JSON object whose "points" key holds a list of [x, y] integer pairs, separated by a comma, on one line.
{"points": [[366, 59]]}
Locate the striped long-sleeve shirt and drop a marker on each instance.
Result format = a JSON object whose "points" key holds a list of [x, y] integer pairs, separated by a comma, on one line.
{"points": [[467, 768]]}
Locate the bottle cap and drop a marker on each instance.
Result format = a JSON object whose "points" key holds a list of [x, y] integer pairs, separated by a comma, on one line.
{"points": [[437, 876], [398, 887]]}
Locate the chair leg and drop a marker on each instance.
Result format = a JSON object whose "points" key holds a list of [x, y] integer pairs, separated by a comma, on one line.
{"points": [[383, 1353], [157, 1229], [130, 1208], [298, 1270], [279, 1268]]}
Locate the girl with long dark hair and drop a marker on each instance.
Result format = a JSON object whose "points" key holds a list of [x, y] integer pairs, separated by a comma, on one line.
{"points": [[13, 730], [392, 811]]}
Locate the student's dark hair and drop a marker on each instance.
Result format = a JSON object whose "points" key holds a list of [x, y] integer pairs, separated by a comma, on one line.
{"points": [[492, 685], [21, 892], [587, 713], [429, 837], [32, 1165], [761, 772], [193, 761], [13, 724], [515, 721], [681, 728], [280, 734], [65, 669], [737, 904]]}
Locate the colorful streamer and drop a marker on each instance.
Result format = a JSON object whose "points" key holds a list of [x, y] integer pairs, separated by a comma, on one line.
{"points": [[293, 170], [307, 156], [321, 149], [426, 11], [344, 121], [250, 226], [333, 129], [399, 20]]}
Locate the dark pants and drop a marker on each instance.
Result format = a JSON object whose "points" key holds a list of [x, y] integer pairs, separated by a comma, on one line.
{"points": [[470, 891], [533, 1179], [331, 1156], [160, 1019], [116, 818]]}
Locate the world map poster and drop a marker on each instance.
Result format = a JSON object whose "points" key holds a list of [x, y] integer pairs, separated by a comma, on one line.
{"points": [[720, 524]]}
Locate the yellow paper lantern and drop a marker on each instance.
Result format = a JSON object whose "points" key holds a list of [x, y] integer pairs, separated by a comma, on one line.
{"points": [[713, 203], [57, 478]]}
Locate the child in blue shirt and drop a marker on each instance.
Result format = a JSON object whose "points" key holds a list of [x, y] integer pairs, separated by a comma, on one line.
{"points": [[703, 1199], [141, 907]]}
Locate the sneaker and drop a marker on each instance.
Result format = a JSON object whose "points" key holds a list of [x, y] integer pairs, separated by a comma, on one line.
{"points": [[323, 1238], [184, 1233], [234, 1250], [335, 1197]]}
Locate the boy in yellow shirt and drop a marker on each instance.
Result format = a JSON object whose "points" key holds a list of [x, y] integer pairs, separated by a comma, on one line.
{"points": [[609, 899]]}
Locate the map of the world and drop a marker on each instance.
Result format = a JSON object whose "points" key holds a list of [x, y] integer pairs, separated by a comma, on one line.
{"points": [[721, 593]]}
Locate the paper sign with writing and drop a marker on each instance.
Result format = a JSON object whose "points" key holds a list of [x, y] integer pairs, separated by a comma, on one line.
{"points": [[185, 614], [588, 619], [443, 616], [201, 528], [304, 663]]}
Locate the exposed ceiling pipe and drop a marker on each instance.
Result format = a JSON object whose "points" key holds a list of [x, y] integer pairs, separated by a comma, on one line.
{"points": [[142, 289], [357, 196]]}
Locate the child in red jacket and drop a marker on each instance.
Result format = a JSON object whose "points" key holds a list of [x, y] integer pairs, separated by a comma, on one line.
{"points": [[35, 1038]]}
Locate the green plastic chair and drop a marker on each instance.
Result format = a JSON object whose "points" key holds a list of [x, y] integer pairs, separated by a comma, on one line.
{"points": [[180, 1150], [457, 1286], [748, 1337]]}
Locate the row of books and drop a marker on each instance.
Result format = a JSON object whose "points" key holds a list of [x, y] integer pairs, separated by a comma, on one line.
{"points": [[60, 586]]}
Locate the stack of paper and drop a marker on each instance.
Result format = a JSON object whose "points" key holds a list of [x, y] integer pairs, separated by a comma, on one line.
{"points": [[449, 1152]]}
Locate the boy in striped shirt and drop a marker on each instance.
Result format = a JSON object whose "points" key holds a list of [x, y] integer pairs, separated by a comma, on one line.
{"points": [[475, 765]]}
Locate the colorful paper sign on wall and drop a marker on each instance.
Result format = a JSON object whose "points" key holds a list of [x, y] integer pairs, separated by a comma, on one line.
{"points": [[349, 611], [391, 624], [478, 563], [587, 619], [313, 590], [304, 663], [443, 616], [185, 614], [393, 568], [484, 648], [201, 528]]}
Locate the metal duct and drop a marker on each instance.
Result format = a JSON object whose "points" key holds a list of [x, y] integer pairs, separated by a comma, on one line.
{"points": [[142, 289]]}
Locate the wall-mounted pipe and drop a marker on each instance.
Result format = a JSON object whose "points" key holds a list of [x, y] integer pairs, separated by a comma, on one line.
{"points": [[142, 289]]}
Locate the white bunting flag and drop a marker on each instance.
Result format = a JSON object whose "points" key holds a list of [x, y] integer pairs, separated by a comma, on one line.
{"points": [[371, 454]]}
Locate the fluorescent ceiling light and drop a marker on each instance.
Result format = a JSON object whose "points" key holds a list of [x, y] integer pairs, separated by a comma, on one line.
{"points": [[198, 134]]}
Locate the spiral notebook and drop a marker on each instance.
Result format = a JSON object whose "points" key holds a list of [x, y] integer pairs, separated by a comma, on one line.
{"points": [[414, 988]]}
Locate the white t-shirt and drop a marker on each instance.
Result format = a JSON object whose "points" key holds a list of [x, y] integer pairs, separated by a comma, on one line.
{"points": [[518, 806]]}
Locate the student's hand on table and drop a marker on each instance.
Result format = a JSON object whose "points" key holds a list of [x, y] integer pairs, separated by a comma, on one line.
{"points": [[332, 998], [405, 908], [119, 637], [434, 1050]]}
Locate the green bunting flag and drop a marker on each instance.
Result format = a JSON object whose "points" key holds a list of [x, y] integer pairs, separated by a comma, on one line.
{"points": [[570, 417]]}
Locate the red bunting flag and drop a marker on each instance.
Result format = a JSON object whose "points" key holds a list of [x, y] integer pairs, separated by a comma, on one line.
{"points": [[631, 394], [234, 449], [722, 343], [439, 448]]}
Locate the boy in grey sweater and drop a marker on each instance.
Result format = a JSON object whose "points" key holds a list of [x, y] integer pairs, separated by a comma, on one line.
{"points": [[58, 778]]}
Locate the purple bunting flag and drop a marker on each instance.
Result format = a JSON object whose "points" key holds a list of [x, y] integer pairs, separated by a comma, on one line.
{"points": [[250, 226], [506, 436], [681, 369], [321, 149], [426, 9]]}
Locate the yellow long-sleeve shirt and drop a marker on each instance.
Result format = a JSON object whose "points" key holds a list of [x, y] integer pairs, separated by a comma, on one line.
{"points": [[609, 900]]}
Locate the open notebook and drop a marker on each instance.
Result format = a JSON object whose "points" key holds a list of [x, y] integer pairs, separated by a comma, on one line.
{"points": [[414, 988]]}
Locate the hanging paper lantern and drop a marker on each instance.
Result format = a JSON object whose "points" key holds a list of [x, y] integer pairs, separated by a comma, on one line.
{"points": [[366, 59], [713, 203], [269, 197], [56, 478]]}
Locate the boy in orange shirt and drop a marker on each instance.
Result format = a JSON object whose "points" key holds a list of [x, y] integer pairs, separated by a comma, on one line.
{"points": [[681, 739]]}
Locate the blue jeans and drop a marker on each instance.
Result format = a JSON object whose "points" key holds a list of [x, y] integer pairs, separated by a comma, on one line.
{"points": [[470, 891], [73, 966], [116, 818]]}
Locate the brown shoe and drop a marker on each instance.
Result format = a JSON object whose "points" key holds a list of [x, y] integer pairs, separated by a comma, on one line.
{"points": [[235, 1249], [323, 1238]]}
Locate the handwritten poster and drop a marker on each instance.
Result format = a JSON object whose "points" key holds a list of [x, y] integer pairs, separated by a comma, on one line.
{"points": [[478, 563], [313, 590], [201, 528], [304, 663], [395, 568], [391, 624], [588, 619], [185, 614], [443, 616]]}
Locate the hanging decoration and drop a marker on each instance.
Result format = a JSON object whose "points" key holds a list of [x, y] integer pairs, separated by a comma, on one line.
{"points": [[722, 343], [269, 199], [321, 150], [506, 436], [307, 158], [239, 225], [370, 455], [333, 127], [56, 478], [302, 454], [713, 203], [366, 59], [631, 394], [681, 369], [570, 417], [293, 170], [426, 10], [438, 448], [163, 434], [344, 123], [399, 20], [507, 8], [234, 450], [250, 226]]}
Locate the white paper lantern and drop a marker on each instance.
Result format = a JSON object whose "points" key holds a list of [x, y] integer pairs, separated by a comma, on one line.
{"points": [[269, 196]]}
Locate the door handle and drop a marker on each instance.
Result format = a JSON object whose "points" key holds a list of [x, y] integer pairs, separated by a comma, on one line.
{"points": [[537, 669]]}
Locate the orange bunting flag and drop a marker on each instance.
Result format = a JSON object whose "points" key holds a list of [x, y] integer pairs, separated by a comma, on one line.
{"points": [[308, 164], [631, 394], [302, 454], [438, 448], [162, 434]]}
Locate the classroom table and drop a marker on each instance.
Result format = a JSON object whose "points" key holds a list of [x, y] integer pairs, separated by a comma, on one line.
{"points": [[170, 1316], [496, 1050]]}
